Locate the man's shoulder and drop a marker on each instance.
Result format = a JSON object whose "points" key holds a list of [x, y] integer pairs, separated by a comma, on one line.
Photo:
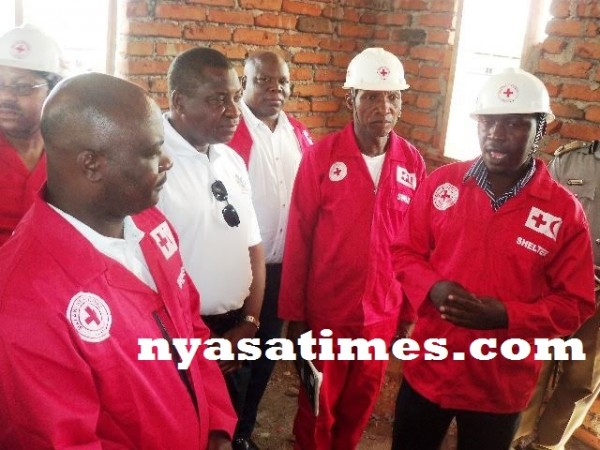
{"points": [[577, 147]]}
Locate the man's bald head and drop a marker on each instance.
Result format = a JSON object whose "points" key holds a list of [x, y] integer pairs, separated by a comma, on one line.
{"points": [[262, 57], [89, 111], [103, 137]]}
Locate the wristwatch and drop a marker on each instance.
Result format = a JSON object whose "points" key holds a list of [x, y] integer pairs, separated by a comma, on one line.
{"points": [[253, 320]]}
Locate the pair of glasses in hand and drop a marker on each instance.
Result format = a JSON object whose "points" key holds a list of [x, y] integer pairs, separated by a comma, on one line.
{"points": [[229, 213]]}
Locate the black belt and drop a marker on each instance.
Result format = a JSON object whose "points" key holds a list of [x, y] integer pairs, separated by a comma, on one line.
{"points": [[220, 323]]}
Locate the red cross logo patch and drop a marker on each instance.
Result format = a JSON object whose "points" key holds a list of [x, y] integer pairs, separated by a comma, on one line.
{"points": [[445, 196], [543, 222], [90, 316], [338, 171], [508, 93], [20, 49], [384, 72], [164, 239]]}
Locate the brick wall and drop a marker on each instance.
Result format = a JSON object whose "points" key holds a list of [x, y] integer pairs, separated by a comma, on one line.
{"points": [[568, 62], [318, 39]]}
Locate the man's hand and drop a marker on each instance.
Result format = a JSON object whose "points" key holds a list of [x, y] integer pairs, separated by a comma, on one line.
{"points": [[218, 440], [464, 309], [243, 330]]}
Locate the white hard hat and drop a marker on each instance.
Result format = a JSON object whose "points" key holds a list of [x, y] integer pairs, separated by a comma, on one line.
{"points": [[28, 47], [375, 69], [513, 91]]}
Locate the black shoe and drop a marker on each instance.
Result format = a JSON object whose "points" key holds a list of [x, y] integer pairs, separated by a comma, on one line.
{"points": [[244, 444]]}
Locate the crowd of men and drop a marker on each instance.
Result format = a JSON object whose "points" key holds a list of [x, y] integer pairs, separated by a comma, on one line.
{"points": [[222, 218]]}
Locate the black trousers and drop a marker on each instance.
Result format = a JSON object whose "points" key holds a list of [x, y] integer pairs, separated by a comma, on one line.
{"points": [[261, 369], [422, 425]]}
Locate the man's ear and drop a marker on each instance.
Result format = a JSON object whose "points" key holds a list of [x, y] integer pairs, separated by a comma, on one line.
{"points": [[177, 101], [243, 80], [349, 100], [91, 163]]}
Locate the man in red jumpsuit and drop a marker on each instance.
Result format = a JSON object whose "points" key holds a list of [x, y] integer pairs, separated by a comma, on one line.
{"points": [[350, 196], [30, 66], [89, 271], [490, 249]]}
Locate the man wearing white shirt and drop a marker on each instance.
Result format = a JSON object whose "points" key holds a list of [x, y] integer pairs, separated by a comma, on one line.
{"points": [[208, 200]]}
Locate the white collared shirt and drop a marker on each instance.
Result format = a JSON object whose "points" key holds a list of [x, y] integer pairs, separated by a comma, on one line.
{"points": [[126, 251], [274, 161], [215, 255]]}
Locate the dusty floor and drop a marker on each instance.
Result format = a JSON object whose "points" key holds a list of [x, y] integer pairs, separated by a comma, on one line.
{"points": [[276, 414]]}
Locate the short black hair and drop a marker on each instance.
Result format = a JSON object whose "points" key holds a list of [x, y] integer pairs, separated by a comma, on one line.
{"points": [[187, 69]]}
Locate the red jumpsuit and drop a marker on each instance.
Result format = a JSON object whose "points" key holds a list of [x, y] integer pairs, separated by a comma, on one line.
{"points": [[70, 319], [529, 254], [17, 187], [337, 272]]}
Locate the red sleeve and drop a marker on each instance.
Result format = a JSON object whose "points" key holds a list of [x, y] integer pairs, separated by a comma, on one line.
{"points": [[304, 210]]}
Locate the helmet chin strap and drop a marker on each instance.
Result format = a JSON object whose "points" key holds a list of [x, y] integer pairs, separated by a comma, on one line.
{"points": [[541, 128]]}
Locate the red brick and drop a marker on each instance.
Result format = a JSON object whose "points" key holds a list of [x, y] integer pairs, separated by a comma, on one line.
{"points": [[274, 5], [330, 75], [395, 18], [324, 106], [369, 18], [427, 53], [136, 9], [593, 29], [230, 3], [422, 135], [553, 89], [315, 121], [312, 90], [442, 5], [398, 49], [299, 105], [236, 52], [141, 82], [301, 8], [138, 48], [299, 40], [256, 37], [553, 45], [311, 58], [551, 145], [343, 45], [418, 118], [427, 101], [440, 36], [566, 110], [560, 8], [575, 69], [592, 113], [281, 21], [580, 131], [431, 71], [232, 17], [300, 74], [144, 67], [588, 10], [315, 25], [425, 85], [418, 5], [338, 121], [172, 48], [409, 98], [580, 92], [565, 28], [178, 11], [441, 20], [158, 85], [153, 29], [553, 127], [411, 66], [381, 34], [207, 33], [342, 60], [349, 29], [589, 50]]}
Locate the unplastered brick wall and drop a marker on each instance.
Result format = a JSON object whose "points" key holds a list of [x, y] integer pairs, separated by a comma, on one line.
{"points": [[317, 38], [568, 62]]}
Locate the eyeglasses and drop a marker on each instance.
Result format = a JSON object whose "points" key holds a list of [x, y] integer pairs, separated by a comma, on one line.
{"points": [[229, 213], [21, 90]]}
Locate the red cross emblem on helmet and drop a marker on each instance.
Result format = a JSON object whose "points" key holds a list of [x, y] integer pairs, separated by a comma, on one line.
{"points": [[383, 72], [19, 49], [508, 93]]}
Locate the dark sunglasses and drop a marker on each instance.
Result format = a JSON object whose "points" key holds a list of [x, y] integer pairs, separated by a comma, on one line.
{"points": [[229, 213]]}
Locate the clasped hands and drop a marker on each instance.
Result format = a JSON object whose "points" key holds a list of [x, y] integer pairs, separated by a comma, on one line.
{"points": [[464, 309]]}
